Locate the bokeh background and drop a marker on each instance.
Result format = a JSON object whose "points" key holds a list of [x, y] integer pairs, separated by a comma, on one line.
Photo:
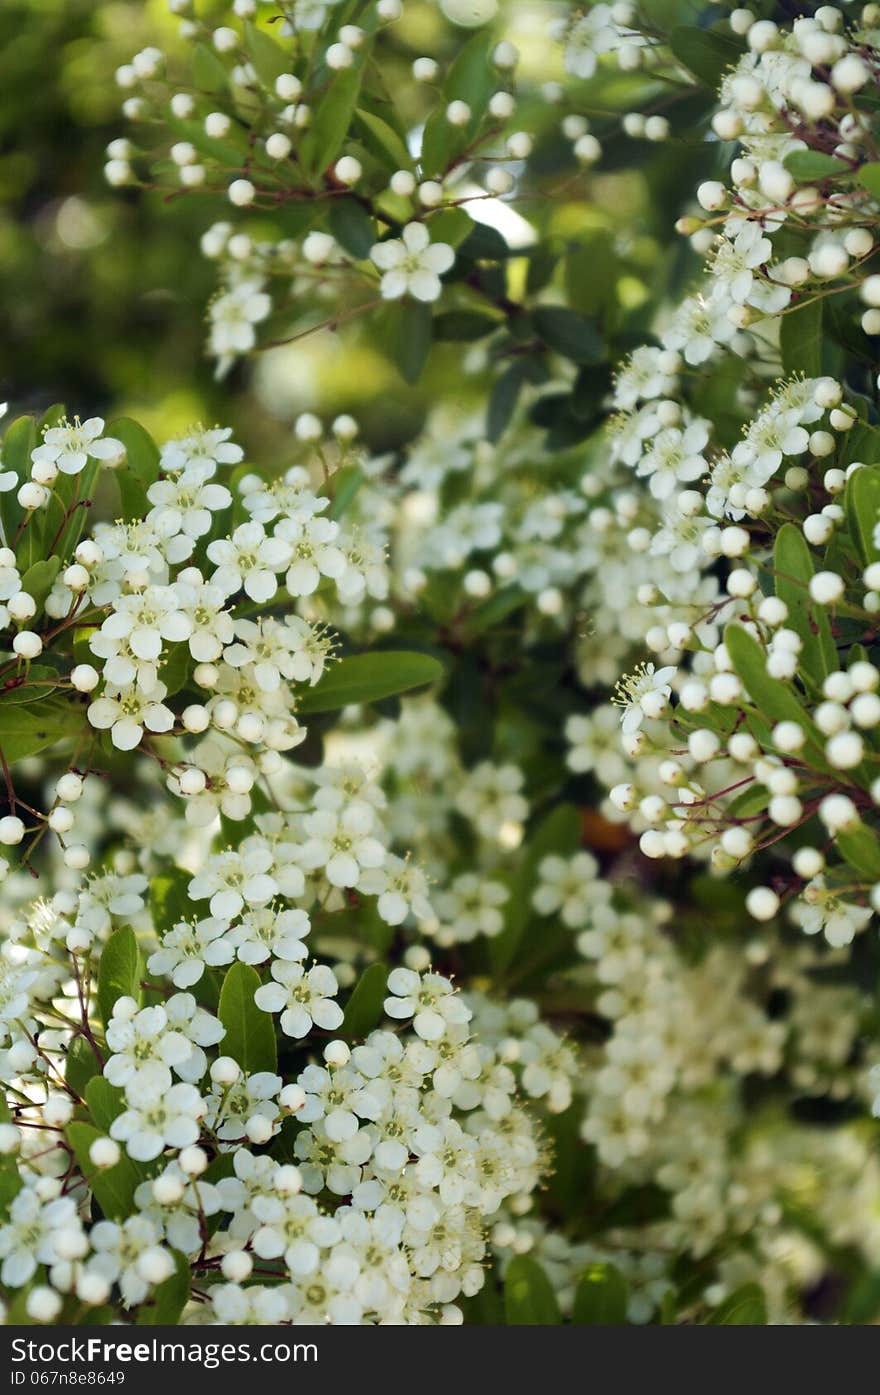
{"points": [[104, 290]]}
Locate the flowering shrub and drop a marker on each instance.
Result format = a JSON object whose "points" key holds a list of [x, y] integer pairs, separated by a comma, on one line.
{"points": [[440, 883]]}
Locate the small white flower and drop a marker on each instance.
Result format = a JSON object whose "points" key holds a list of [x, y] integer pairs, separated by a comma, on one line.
{"points": [[303, 997], [412, 264]]}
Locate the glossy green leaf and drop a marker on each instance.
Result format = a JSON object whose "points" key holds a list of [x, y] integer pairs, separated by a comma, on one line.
{"points": [[793, 571], [352, 226], [268, 58], [745, 1307], [165, 1305], [569, 334], [800, 339], [140, 468], [18, 442], [114, 1187], [38, 579], [120, 971], [324, 138], [860, 848], [862, 506], [250, 1033], [383, 140], [369, 678], [81, 1065], [529, 1300], [601, 1297], [24, 731], [705, 53], [105, 1101], [869, 177], [810, 165], [364, 1008], [775, 701]]}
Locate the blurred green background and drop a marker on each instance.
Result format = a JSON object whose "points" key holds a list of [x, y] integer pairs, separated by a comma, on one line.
{"points": [[104, 290]]}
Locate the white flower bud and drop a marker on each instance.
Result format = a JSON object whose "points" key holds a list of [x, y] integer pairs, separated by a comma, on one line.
{"points": [[762, 903]]}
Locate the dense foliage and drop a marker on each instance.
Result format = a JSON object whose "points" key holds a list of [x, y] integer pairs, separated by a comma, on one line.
{"points": [[441, 838]]}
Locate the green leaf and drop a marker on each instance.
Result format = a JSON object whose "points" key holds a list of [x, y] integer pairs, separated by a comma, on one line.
{"points": [[810, 165], [169, 899], [559, 832], [36, 689], [862, 1304], [38, 579], [105, 1101], [869, 178], [464, 325], [862, 506], [569, 334], [250, 1033], [344, 485], [209, 74], [120, 971], [352, 226], [793, 571], [11, 1180], [591, 273], [745, 1307], [860, 848], [364, 1008], [230, 151], [800, 339], [472, 77], [383, 140], [705, 53], [600, 1299], [503, 400], [403, 331], [529, 1300], [774, 700], [114, 1187], [324, 138], [25, 731], [81, 1065], [269, 59], [492, 612], [164, 1307], [20, 439], [140, 468], [369, 678]]}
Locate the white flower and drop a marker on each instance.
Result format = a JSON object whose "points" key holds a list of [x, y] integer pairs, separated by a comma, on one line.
{"points": [[146, 619], [143, 1049], [184, 503], [188, 948], [159, 1119], [569, 886], [643, 694], [401, 887], [303, 997], [266, 932], [341, 843], [69, 445], [201, 449], [249, 560], [314, 552], [821, 908], [232, 319], [429, 999], [117, 1251], [31, 1235], [126, 714], [236, 878], [412, 264]]}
